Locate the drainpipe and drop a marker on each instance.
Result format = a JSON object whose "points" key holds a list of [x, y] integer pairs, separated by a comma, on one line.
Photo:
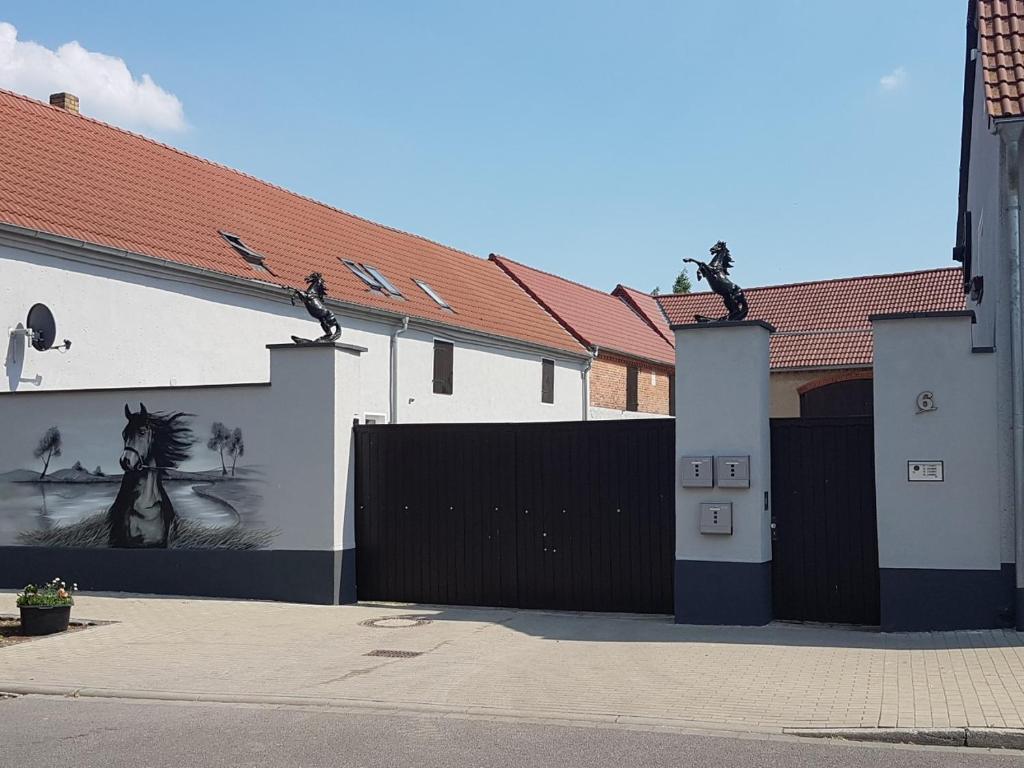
{"points": [[1012, 140], [586, 382], [394, 368]]}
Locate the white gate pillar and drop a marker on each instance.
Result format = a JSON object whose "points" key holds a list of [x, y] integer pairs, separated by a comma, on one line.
{"points": [[723, 566], [317, 385]]}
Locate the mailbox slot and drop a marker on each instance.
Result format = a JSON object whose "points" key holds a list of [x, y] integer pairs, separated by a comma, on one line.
{"points": [[732, 471], [716, 517], [697, 472]]}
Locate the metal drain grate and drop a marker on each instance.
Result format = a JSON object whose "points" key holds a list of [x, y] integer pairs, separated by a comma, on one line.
{"points": [[394, 654], [396, 622]]}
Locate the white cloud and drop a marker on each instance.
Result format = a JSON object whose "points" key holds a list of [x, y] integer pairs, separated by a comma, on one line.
{"points": [[104, 84], [894, 81]]}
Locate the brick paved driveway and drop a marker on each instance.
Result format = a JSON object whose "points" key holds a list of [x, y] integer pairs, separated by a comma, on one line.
{"points": [[641, 670]]}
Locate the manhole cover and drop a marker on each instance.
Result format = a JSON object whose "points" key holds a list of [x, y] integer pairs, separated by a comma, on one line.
{"points": [[395, 654], [395, 622]]}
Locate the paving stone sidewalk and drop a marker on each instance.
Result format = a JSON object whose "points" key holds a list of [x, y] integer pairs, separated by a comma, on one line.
{"points": [[627, 669]]}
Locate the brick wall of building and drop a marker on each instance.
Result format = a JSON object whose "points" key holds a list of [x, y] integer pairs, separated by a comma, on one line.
{"points": [[608, 384]]}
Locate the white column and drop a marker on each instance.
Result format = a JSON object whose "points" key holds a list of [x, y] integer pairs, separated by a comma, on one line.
{"points": [[722, 410], [317, 386]]}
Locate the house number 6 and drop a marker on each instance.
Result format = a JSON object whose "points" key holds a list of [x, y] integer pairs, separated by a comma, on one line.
{"points": [[926, 402]]}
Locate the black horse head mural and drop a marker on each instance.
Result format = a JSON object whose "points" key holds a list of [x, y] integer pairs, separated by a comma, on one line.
{"points": [[142, 515]]}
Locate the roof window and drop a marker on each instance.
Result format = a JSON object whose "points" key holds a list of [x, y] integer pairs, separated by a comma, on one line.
{"points": [[433, 294], [257, 260], [388, 285], [373, 278]]}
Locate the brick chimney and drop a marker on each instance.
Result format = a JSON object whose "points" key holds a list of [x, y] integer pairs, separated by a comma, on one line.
{"points": [[64, 100]]}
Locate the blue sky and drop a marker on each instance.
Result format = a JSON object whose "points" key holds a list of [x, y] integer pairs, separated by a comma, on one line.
{"points": [[603, 141]]}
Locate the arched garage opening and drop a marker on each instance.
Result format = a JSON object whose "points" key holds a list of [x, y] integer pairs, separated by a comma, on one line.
{"points": [[837, 396]]}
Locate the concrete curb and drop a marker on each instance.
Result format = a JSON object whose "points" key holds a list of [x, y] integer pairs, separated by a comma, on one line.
{"points": [[477, 712], [988, 738]]}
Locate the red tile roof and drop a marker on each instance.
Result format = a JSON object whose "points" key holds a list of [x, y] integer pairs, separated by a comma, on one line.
{"points": [[824, 323], [1001, 43], [69, 175], [595, 318], [645, 305]]}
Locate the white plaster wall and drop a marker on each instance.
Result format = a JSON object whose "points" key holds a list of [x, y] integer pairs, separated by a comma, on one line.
{"points": [[984, 201], [990, 256], [298, 460], [954, 524], [134, 330], [722, 409], [486, 386]]}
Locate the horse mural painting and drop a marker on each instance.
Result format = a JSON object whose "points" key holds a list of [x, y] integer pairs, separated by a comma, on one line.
{"points": [[142, 514], [717, 274]]}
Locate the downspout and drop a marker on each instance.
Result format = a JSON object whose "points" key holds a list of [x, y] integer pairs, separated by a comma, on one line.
{"points": [[1012, 139], [586, 382], [393, 389]]}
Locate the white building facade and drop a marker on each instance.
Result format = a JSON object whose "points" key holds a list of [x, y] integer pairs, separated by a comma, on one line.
{"points": [[989, 246], [137, 323]]}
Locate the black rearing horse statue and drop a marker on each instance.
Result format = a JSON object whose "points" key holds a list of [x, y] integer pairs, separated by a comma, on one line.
{"points": [[717, 275], [313, 298]]}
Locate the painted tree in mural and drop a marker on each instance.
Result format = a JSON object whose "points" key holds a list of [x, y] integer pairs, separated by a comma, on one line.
{"points": [[50, 445], [235, 447], [220, 436]]}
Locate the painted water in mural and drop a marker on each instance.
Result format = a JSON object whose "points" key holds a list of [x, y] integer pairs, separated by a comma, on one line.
{"points": [[152, 502]]}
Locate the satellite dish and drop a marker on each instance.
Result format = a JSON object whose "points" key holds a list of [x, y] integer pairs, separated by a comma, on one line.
{"points": [[44, 329]]}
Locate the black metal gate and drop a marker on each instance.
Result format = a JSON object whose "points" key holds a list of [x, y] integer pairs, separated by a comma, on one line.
{"points": [[825, 541], [569, 515]]}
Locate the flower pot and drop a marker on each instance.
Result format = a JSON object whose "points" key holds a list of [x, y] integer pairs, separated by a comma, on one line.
{"points": [[44, 619]]}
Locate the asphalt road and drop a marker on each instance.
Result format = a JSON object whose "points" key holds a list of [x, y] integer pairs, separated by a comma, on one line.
{"points": [[46, 732]]}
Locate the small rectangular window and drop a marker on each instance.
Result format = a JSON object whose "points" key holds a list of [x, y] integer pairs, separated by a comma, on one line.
{"points": [[444, 358], [432, 293], [632, 377], [672, 393], [547, 381], [257, 260]]}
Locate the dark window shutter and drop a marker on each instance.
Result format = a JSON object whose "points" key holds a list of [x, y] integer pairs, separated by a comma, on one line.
{"points": [[632, 378], [547, 381], [444, 354], [672, 393]]}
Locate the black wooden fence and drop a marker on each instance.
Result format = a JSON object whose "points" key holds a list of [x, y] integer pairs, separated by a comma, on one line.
{"points": [[567, 515]]}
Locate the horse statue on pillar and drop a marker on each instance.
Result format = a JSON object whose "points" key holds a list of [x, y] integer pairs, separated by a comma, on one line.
{"points": [[716, 272], [314, 300]]}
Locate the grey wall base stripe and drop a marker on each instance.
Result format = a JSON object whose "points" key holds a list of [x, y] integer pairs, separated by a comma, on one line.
{"points": [[711, 592], [296, 576], [924, 599]]}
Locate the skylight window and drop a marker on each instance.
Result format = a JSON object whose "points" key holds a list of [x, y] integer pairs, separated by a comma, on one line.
{"points": [[257, 260], [362, 274], [388, 285], [432, 294], [374, 278]]}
